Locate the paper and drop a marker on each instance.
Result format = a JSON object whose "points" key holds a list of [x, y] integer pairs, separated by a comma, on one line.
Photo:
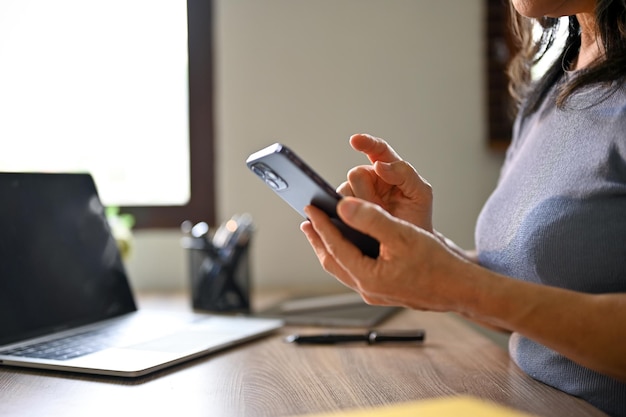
{"points": [[461, 406]]}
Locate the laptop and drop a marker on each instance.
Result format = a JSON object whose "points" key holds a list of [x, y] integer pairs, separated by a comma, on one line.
{"points": [[65, 299]]}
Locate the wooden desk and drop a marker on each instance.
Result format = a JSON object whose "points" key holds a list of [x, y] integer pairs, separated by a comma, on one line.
{"points": [[268, 377]]}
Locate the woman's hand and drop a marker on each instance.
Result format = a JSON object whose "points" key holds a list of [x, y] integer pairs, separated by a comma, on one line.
{"points": [[418, 271], [412, 269], [390, 182]]}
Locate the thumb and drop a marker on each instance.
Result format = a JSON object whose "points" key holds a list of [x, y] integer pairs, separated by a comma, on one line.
{"points": [[372, 220]]}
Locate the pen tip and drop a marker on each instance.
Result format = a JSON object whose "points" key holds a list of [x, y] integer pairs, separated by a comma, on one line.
{"points": [[291, 338]]}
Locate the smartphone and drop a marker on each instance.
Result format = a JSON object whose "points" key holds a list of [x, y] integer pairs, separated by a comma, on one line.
{"points": [[296, 183]]}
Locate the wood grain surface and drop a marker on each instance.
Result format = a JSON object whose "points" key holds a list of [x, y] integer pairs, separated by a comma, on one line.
{"points": [[269, 377]]}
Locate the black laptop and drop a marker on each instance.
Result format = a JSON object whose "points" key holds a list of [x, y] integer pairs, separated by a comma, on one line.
{"points": [[65, 299]]}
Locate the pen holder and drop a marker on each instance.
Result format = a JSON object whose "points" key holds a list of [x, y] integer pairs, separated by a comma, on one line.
{"points": [[220, 275]]}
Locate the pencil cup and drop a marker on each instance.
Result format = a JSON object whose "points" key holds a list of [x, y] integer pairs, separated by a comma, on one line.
{"points": [[219, 267]]}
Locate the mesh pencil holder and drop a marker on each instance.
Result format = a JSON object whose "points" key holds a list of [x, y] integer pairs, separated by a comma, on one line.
{"points": [[220, 275]]}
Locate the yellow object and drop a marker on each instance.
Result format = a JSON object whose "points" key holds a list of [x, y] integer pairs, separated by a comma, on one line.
{"points": [[461, 406]]}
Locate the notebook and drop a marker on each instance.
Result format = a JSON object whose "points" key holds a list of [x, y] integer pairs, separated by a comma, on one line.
{"points": [[341, 310], [65, 299]]}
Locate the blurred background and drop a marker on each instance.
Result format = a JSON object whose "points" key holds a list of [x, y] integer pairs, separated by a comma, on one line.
{"points": [[310, 74]]}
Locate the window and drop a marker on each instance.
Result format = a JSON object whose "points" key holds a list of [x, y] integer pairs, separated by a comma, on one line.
{"points": [[500, 48], [118, 88], [201, 152]]}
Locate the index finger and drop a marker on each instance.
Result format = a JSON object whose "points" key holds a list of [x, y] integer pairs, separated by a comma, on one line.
{"points": [[375, 148]]}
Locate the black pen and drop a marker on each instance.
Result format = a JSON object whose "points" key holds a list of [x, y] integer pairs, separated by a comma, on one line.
{"points": [[370, 337]]}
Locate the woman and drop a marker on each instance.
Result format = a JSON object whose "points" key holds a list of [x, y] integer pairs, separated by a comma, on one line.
{"points": [[550, 263]]}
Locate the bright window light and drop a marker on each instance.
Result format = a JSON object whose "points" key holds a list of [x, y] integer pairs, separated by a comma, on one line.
{"points": [[98, 86], [548, 59]]}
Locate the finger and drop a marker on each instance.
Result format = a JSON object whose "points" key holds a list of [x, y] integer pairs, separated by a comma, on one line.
{"points": [[362, 180], [342, 276], [345, 189], [397, 240], [405, 177], [375, 148], [336, 270], [392, 233], [329, 264], [328, 234]]}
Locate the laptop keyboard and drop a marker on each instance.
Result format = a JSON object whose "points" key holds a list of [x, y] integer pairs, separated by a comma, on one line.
{"points": [[67, 347]]}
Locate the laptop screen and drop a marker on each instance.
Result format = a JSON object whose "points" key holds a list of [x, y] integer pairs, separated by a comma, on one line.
{"points": [[59, 263]]}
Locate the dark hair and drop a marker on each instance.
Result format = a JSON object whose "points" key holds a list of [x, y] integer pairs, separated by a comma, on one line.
{"points": [[611, 21]]}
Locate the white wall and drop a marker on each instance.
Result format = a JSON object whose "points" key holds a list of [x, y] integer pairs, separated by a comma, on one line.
{"points": [[311, 73]]}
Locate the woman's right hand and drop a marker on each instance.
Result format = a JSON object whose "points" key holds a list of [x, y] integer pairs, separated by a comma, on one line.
{"points": [[390, 182]]}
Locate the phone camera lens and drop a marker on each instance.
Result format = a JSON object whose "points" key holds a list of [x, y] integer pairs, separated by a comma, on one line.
{"points": [[272, 183], [258, 171], [269, 176]]}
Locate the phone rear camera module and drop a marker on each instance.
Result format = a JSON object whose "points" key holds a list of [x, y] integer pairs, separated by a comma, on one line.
{"points": [[269, 176]]}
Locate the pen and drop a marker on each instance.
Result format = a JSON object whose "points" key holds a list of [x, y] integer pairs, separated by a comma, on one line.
{"points": [[370, 337]]}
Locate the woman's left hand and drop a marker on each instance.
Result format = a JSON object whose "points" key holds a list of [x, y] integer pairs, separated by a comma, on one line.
{"points": [[414, 269]]}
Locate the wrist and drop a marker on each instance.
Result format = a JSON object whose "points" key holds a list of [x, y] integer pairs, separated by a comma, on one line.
{"points": [[448, 243]]}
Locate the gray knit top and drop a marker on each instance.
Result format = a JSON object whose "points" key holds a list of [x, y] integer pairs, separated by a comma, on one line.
{"points": [[558, 217]]}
